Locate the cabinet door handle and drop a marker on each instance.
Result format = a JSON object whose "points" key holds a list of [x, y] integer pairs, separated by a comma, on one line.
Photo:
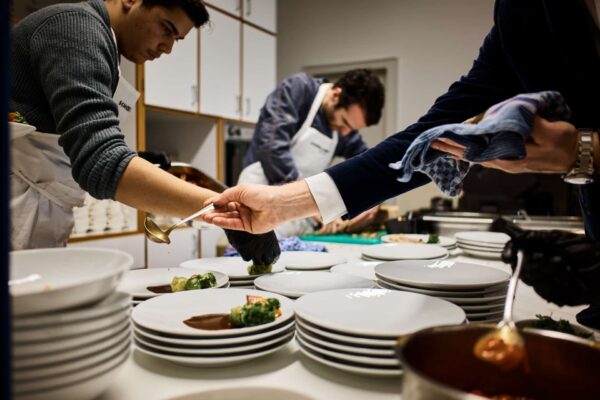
{"points": [[248, 7], [247, 106]]}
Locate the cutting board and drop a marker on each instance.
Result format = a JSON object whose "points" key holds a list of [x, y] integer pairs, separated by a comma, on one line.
{"points": [[348, 238]]}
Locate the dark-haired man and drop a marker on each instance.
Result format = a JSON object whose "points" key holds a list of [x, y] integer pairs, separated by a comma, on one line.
{"points": [[304, 124], [66, 82]]}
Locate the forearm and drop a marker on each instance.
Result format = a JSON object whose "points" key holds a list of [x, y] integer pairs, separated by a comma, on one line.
{"points": [[293, 201], [148, 188]]}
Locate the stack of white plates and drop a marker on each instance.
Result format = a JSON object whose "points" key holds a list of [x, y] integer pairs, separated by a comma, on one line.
{"points": [[309, 260], [234, 267], [70, 329], [364, 269], [294, 284], [444, 241], [137, 282], [160, 332], [482, 244], [356, 330], [403, 251], [479, 290]]}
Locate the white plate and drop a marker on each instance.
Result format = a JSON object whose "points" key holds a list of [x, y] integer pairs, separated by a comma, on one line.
{"points": [[483, 237], [234, 267], [309, 260], [299, 283], [437, 293], [116, 302], [242, 283], [339, 346], [166, 313], [213, 342], [480, 301], [68, 343], [135, 282], [402, 251], [66, 357], [445, 241], [88, 381], [245, 392], [213, 361], [45, 280], [221, 351], [354, 369], [364, 269], [17, 129], [482, 254], [488, 307], [441, 274], [476, 246], [485, 315], [351, 340], [376, 312]]}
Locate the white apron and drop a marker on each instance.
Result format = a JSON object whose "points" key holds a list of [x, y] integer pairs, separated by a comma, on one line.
{"points": [[312, 152], [43, 192]]}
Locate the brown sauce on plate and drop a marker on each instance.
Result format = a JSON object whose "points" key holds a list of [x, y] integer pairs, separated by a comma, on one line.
{"points": [[160, 289], [209, 322]]}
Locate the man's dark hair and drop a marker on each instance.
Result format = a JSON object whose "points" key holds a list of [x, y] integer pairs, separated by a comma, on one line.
{"points": [[195, 9], [362, 87]]}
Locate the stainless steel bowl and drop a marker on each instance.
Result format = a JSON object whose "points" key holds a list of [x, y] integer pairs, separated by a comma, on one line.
{"points": [[439, 364]]}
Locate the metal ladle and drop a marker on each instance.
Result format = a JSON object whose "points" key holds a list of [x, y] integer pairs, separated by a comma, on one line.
{"points": [[157, 235], [506, 330]]}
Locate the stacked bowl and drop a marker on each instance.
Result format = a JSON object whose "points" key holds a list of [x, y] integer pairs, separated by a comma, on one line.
{"points": [[356, 330], [146, 283], [482, 244], [479, 290], [70, 328], [160, 330]]}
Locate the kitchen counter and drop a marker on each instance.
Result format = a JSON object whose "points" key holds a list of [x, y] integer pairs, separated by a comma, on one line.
{"points": [[144, 377]]}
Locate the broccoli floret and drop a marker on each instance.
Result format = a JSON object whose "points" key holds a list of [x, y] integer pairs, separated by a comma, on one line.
{"points": [[17, 117], [254, 269], [562, 325], [433, 239], [178, 284], [201, 281], [255, 313]]}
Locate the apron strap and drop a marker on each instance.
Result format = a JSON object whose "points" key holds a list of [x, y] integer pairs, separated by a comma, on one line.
{"points": [[314, 109]]}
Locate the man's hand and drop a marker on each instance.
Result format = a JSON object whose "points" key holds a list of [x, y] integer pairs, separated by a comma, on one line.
{"points": [[363, 220], [551, 148], [262, 249]]}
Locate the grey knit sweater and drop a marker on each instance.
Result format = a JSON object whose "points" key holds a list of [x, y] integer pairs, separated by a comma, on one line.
{"points": [[64, 71]]}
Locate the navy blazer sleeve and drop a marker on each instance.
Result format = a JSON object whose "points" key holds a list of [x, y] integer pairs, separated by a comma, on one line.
{"points": [[351, 145], [489, 81]]}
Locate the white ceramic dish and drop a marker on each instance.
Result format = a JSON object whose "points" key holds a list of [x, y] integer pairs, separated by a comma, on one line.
{"points": [[137, 281], [18, 130], [298, 283], [444, 241], [309, 260], [352, 368], [234, 267], [216, 360], [483, 254], [376, 312], [364, 269], [485, 315], [486, 308], [483, 237], [350, 340], [46, 280], [441, 274], [166, 313], [435, 293], [213, 342], [340, 346], [403, 251], [479, 301], [245, 392], [477, 246]]}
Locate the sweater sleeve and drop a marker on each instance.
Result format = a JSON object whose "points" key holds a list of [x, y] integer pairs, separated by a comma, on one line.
{"points": [[76, 69]]}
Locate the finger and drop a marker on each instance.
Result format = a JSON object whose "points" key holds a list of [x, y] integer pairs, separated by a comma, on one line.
{"points": [[451, 142], [228, 223], [446, 148]]}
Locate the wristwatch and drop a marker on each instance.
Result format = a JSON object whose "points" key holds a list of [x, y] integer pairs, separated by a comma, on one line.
{"points": [[583, 171]]}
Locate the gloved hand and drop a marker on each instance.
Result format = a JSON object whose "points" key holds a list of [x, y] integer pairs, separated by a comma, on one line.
{"points": [[562, 267], [262, 249]]}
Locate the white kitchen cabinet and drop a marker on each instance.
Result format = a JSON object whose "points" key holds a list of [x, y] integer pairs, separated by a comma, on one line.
{"points": [[231, 6], [183, 247], [262, 13], [132, 244], [259, 71], [220, 67], [172, 80]]}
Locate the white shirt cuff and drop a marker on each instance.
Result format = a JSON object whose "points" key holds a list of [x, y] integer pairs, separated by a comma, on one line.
{"points": [[327, 196]]}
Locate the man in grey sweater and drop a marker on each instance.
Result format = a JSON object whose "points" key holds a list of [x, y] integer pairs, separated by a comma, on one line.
{"points": [[65, 75]]}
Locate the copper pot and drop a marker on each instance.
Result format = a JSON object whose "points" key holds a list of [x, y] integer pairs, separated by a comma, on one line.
{"points": [[439, 364]]}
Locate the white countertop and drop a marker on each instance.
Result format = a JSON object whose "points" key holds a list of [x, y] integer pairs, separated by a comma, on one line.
{"points": [[147, 378]]}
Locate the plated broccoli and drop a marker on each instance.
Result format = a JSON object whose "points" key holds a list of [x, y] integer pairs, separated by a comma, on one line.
{"points": [[257, 311], [433, 238], [254, 269], [562, 325], [17, 117], [196, 281]]}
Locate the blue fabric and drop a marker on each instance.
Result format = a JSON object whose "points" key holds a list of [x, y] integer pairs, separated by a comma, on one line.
{"points": [[533, 46], [292, 243], [281, 117], [501, 134]]}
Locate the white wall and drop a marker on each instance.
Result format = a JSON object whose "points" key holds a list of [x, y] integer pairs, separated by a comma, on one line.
{"points": [[434, 41]]}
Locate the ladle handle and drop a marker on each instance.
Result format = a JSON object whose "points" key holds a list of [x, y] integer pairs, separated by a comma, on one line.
{"points": [[512, 288], [205, 210]]}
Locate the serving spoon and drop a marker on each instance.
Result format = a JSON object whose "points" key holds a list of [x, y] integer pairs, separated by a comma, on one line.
{"points": [[157, 235], [504, 346]]}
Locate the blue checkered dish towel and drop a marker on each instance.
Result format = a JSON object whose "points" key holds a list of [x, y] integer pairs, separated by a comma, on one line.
{"points": [[291, 243], [501, 134]]}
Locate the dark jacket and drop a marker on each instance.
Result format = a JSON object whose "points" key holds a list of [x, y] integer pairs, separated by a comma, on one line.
{"points": [[533, 46]]}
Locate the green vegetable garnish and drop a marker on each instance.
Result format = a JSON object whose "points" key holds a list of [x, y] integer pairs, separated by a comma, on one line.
{"points": [[17, 117], [257, 311], [562, 325], [178, 284], [254, 269], [433, 238], [197, 281]]}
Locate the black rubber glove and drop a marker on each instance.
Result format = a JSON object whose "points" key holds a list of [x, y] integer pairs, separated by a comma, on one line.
{"points": [[562, 267], [262, 249], [162, 159]]}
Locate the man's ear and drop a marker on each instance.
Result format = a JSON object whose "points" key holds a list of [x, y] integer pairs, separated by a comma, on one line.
{"points": [[335, 95], [128, 4]]}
